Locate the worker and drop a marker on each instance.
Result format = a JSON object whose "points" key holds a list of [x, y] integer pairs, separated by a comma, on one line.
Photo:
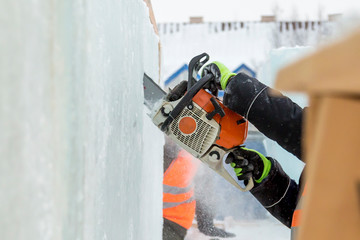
{"points": [[179, 204], [278, 118]]}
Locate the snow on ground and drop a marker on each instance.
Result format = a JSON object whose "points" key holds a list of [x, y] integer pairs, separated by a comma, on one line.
{"points": [[269, 229]]}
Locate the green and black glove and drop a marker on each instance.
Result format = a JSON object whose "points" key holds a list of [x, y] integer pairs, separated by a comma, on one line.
{"points": [[221, 75], [249, 163]]}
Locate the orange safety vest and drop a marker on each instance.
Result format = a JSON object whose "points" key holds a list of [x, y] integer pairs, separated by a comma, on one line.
{"points": [[178, 191], [295, 224]]}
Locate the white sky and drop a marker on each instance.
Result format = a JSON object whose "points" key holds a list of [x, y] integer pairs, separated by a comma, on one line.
{"points": [[250, 10]]}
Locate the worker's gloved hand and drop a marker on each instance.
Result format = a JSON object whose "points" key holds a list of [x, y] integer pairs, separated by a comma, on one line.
{"points": [[248, 162], [221, 75]]}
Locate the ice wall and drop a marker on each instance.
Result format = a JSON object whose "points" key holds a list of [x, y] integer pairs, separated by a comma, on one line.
{"points": [[75, 157]]}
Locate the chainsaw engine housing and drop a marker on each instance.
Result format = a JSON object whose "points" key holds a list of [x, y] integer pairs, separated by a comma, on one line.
{"points": [[194, 131]]}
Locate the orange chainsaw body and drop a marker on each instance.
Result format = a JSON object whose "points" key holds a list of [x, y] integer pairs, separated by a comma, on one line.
{"points": [[234, 127]]}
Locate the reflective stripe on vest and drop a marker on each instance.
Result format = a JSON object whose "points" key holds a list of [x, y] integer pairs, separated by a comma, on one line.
{"points": [[175, 204], [296, 219], [178, 191], [174, 196]]}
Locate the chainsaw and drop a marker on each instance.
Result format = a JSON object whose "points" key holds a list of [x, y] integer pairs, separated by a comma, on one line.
{"points": [[198, 121]]}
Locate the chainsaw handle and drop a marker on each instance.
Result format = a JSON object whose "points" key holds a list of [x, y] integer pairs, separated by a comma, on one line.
{"points": [[194, 66], [220, 169], [215, 158], [193, 87], [249, 186], [249, 175], [185, 101]]}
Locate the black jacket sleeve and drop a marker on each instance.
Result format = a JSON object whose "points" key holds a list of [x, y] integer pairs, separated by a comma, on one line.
{"points": [[280, 119], [272, 113], [278, 193]]}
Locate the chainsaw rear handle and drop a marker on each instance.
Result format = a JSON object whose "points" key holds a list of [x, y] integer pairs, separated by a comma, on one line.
{"points": [[230, 158], [226, 175], [250, 185], [215, 160], [249, 182]]}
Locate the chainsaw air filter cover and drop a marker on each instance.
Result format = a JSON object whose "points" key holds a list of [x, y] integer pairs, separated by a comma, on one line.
{"points": [[193, 131]]}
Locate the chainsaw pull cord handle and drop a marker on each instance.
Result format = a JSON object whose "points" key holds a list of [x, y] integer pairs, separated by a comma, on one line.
{"points": [[217, 109], [185, 101], [194, 66]]}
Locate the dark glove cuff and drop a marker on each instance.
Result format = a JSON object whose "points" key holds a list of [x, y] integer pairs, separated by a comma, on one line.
{"points": [[274, 187]]}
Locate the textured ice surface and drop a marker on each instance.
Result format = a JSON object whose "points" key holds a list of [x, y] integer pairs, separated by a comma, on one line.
{"points": [[75, 157]]}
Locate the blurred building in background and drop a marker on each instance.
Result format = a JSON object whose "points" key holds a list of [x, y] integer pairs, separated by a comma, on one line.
{"points": [[236, 43]]}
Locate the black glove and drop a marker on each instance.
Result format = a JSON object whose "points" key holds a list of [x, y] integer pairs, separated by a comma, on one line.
{"points": [[249, 163], [213, 85], [221, 75]]}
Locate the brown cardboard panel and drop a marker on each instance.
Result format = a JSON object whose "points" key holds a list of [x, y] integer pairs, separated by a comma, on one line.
{"points": [[153, 22], [331, 209], [311, 116], [152, 16], [332, 69]]}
